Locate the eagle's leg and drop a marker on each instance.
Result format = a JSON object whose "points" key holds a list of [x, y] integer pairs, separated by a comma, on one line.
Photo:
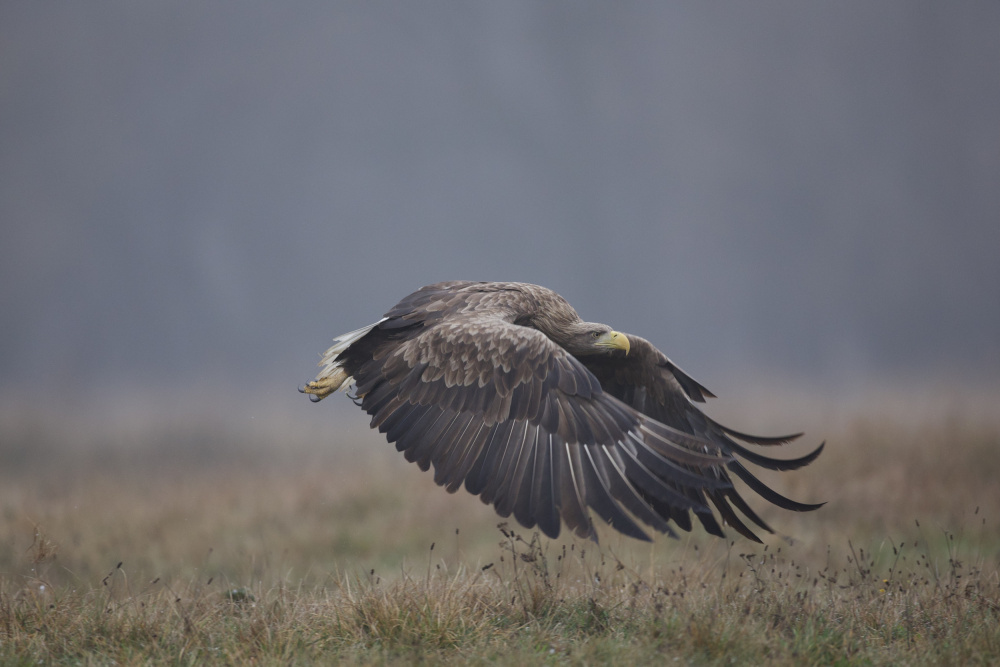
{"points": [[325, 385]]}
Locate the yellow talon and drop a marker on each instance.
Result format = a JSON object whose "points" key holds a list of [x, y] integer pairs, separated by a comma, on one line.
{"points": [[324, 386]]}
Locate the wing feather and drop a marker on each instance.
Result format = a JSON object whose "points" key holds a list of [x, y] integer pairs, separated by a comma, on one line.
{"points": [[543, 506], [599, 498], [455, 438], [572, 502], [502, 472], [485, 466], [769, 494], [420, 453], [513, 480], [456, 466]]}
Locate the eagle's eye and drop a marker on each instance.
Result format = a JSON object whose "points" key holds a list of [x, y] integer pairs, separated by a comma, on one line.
{"points": [[595, 334]]}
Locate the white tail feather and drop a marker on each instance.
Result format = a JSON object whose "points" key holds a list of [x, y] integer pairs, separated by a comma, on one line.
{"points": [[329, 361]]}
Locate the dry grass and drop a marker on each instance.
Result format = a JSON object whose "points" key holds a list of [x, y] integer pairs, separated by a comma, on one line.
{"points": [[205, 543]]}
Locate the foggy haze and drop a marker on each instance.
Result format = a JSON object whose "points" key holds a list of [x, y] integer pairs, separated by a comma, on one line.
{"points": [[202, 193]]}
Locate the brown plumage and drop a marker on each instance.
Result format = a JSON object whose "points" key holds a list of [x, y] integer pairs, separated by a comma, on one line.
{"points": [[502, 387]]}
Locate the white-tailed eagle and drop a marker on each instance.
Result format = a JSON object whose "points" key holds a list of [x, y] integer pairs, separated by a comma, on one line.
{"points": [[503, 388]]}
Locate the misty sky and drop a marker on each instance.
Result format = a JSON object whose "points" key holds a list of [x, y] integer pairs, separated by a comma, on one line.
{"points": [[203, 192]]}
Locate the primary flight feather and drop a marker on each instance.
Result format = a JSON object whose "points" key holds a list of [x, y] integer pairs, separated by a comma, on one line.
{"points": [[503, 388]]}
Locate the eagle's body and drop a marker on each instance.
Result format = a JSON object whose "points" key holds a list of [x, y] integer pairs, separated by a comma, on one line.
{"points": [[502, 387]]}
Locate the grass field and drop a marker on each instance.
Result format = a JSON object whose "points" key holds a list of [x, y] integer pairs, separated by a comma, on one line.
{"points": [[205, 541]]}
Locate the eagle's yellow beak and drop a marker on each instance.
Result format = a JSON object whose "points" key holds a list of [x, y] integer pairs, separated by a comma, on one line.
{"points": [[614, 339]]}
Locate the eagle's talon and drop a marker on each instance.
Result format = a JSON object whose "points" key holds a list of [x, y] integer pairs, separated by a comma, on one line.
{"points": [[322, 387]]}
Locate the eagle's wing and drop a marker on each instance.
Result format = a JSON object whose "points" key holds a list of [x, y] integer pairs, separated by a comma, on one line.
{"points": [[650, 383], [526, 426]]}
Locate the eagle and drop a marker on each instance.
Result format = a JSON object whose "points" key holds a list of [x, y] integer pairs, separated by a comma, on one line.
{"points": [[502, 387]]}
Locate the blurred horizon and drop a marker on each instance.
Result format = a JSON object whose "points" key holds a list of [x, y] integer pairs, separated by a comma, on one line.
{"points": [[195, 200]]}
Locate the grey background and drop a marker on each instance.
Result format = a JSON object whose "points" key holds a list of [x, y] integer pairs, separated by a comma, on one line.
{"points": [[197, 196]]}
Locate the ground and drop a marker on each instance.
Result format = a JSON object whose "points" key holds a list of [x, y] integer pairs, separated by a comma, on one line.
{"points": [[210, 542]]}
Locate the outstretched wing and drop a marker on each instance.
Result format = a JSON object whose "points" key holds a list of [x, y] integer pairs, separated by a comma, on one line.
{"points": [[525, 425], [650, 383]]}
